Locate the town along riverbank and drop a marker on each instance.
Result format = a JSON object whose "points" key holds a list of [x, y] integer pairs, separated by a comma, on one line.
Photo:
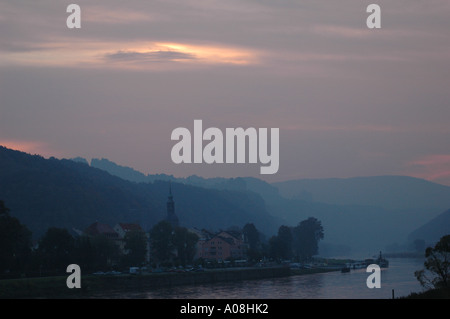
{"points": [[91, 285]]}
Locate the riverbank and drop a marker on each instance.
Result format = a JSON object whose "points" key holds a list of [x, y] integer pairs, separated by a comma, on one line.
{"points": [[418, 255], [442, 293], [55, 287]]}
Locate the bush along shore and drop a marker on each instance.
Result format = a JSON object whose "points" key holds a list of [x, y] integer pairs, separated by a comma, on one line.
{"points": [[92, 285], [436, 293]]}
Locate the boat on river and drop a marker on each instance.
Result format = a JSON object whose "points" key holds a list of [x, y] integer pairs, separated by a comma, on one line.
{"points": [[380, 261], [345, 269], [361, 264]]}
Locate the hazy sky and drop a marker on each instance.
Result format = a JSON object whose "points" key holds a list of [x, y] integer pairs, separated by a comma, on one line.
{"points": [[348, 101]]}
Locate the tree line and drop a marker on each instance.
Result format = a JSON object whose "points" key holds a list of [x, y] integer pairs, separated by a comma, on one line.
{"points": [[169, 245], [299, 243], [57, 248]]}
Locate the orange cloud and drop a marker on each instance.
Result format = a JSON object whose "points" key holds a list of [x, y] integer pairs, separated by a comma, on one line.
{"points": [[214, 54], [435, 167], [127, 55]]}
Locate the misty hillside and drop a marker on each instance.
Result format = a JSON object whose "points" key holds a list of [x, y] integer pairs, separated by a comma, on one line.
{"points": [[369, 217], [125, 172], [432, 231], [389, 192], [64, 193], [370, 213], [129, 173]]}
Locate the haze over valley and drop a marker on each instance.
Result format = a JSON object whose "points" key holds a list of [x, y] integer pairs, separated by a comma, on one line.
{"points": [[360, 215]]}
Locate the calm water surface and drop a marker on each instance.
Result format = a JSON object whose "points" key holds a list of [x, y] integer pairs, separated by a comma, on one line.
{"points": [[333, 285]]}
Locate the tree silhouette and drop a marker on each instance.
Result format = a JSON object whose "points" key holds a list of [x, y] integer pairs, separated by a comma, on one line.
{"points": [[280, 246], [56, 249], [437, 265], [252, 237], [136, 247], [15, 242], [185, 243], [306, 238], [161, 241]]}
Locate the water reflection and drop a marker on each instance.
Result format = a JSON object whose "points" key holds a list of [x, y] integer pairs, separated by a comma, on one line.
{"points": [[333, 285]]}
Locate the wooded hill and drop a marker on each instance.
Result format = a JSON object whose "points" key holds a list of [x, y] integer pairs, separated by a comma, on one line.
{"points": [[63, 193]]}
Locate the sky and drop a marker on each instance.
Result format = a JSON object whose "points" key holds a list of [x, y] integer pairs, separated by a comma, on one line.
{"points": [[348, 101]]}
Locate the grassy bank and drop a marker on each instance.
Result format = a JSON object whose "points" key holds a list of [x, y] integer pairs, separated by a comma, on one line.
{"points": [[45, 287]]}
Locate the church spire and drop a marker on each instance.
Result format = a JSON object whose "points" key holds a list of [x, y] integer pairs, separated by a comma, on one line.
{"points": [[171, 216]]}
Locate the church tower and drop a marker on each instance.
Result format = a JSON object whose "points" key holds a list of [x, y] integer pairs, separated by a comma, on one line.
{"points": [[171, 216]]}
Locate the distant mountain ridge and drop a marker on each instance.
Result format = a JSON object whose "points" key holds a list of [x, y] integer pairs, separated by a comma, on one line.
{"points": [[399, 193], [389, 192], [432, 231], [73, 193], [127, 173], [358, 212], [63, 193]]}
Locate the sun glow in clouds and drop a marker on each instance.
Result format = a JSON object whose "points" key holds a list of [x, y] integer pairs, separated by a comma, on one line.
{"points": [[168, 53], [214, 54], [31, 147], [128, 55], [435, 167]]}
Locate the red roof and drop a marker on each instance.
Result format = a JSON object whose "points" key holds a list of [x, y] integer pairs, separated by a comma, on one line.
{"points": [[100, 229]]}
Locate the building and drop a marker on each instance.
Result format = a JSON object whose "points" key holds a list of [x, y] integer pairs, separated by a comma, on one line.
{"points": [[171, 216], [222, 246], [117, 235], [123, 228], [98, 229]]}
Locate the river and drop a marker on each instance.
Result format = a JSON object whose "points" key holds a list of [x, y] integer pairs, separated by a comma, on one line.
{"points": [[332, 285]]}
